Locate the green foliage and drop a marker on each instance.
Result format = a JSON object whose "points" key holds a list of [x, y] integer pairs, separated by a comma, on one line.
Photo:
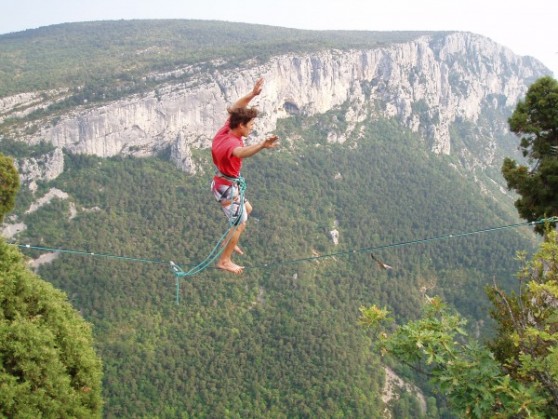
{"points": [[516, 375], [535, 120], [18, 149], [9, 185], [406, 405], [48, 367], [527, 340], [283, 340], [464, 371]]}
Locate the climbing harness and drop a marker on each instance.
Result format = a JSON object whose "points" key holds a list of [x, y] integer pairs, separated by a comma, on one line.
{"points": [[228, 195]]}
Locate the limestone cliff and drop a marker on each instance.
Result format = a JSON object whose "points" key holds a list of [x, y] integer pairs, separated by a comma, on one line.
{"points": [[427, 84], [47, 167]]}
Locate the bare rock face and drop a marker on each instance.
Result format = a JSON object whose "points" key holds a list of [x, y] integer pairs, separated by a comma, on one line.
{"points": [[181, 156], [23, 104], [46, 167], [426, 84]]}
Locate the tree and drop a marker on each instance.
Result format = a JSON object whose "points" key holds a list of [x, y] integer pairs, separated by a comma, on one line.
{"points": [[526, 344], [48, 367], [9, 185], [516, 374], [461, 369], [535, 120]]}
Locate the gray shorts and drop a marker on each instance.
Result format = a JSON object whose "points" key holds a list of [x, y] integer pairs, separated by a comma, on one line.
{"points": [[229, 198]]}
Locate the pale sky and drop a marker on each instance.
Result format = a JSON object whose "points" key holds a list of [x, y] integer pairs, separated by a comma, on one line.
{"points": [[527, 27]]}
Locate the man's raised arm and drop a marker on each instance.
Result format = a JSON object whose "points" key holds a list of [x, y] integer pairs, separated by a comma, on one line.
{"points": [[245, 100]]}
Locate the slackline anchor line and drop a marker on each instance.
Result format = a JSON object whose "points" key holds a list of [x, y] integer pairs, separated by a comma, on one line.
{"points": [[179, 273], [217, 250]]}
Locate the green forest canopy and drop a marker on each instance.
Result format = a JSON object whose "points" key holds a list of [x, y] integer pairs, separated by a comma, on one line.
{"points": [[282, 340]]}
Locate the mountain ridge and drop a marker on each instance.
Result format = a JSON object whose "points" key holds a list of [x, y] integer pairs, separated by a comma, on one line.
{"points": [[107, 53]]}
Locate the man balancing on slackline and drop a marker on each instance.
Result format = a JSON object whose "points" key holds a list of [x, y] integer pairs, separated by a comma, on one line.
{"points": [[228, 150]]}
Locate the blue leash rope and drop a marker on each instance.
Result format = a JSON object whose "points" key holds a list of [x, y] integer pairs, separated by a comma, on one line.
{"points": [[221, 244]]}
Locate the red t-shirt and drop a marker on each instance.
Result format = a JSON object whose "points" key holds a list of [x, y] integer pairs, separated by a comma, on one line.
{"points": [[221, 150]]}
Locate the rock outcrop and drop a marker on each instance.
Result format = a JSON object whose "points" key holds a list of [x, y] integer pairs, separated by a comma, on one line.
{"points": [[47, 167]]}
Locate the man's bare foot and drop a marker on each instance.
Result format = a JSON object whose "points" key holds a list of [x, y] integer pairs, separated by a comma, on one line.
{"points": [[230, 267], [237, 249]]}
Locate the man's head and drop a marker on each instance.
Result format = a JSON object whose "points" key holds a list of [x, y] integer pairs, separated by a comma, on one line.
{"points": [[241, 116]]}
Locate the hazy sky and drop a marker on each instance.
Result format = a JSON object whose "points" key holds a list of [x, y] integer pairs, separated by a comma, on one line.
{"points": [[527, 27]]}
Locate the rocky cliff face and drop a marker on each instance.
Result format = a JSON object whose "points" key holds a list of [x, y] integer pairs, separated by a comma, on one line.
{"points": [[47, 167], [427, 84]]}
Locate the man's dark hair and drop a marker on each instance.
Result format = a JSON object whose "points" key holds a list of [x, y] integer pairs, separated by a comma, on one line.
{"points": [[241, 116]]}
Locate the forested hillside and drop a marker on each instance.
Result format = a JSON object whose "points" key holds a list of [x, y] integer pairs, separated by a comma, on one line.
{"points": [[281, 340]]}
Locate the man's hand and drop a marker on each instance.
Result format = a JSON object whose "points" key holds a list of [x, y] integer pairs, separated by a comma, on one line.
{"points": [[245, 100], [270, 142], [257, 89]]}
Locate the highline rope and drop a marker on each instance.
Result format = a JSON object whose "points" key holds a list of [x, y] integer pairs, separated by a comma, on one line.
{"points": [[217, 250]]}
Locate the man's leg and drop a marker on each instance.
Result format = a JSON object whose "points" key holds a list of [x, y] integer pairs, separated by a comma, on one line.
{"points": [[248, 209], [237, 249], [225, 262]]}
